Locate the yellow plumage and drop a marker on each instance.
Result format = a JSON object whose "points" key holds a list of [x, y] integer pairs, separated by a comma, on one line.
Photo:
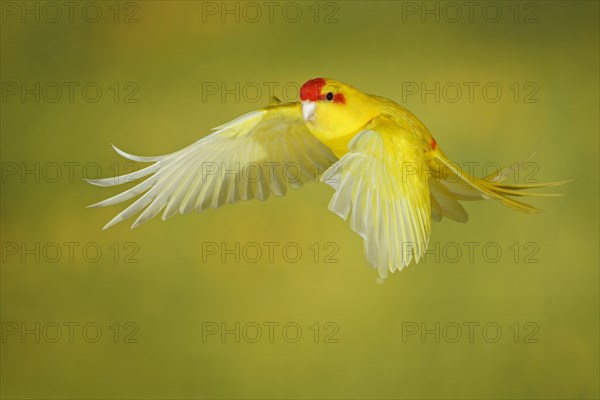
{"points": [[390, 177]]}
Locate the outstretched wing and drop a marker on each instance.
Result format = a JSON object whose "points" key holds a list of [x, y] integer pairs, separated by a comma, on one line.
{"points": [[262, 152], [381, 184]]}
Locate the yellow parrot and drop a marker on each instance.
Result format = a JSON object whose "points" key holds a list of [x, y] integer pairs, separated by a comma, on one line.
{"points": [[390, 177]]}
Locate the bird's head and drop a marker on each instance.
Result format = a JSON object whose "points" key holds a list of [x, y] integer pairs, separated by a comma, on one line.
{"points": [[333, 110]]}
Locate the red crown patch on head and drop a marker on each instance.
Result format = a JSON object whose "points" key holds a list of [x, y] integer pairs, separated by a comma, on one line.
{"points": [[311, 90]]}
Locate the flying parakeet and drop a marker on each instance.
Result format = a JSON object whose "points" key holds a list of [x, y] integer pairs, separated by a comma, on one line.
{"points": [[391, 179]]}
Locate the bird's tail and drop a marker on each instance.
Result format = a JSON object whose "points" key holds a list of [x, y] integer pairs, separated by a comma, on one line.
{"points": [[449, 184]]}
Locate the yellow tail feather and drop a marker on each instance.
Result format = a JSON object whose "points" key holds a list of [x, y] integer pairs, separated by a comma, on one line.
{"points": [[449, 183]]}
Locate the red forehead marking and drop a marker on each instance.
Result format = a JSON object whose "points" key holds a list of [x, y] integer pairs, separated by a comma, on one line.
{"points": [[311, 90]]}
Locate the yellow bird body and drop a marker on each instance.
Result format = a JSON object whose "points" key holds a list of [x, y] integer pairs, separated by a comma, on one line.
{"points": [[390, 177]]}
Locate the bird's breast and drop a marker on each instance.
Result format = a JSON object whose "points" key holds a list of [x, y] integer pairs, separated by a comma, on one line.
{"points": [[336, 141]]}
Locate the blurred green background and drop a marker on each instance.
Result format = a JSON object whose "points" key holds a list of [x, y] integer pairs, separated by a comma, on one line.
{"points": [[154, 75]]}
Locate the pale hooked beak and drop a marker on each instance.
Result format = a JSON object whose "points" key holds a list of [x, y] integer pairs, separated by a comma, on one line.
{"points": [[308, 109]]}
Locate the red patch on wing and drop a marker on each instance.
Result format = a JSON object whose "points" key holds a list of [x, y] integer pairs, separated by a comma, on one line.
{"points": [[433, 144], [311, 90]]}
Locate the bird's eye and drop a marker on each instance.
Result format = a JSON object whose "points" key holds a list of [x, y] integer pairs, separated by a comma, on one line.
{"points": [[329, 96]]}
